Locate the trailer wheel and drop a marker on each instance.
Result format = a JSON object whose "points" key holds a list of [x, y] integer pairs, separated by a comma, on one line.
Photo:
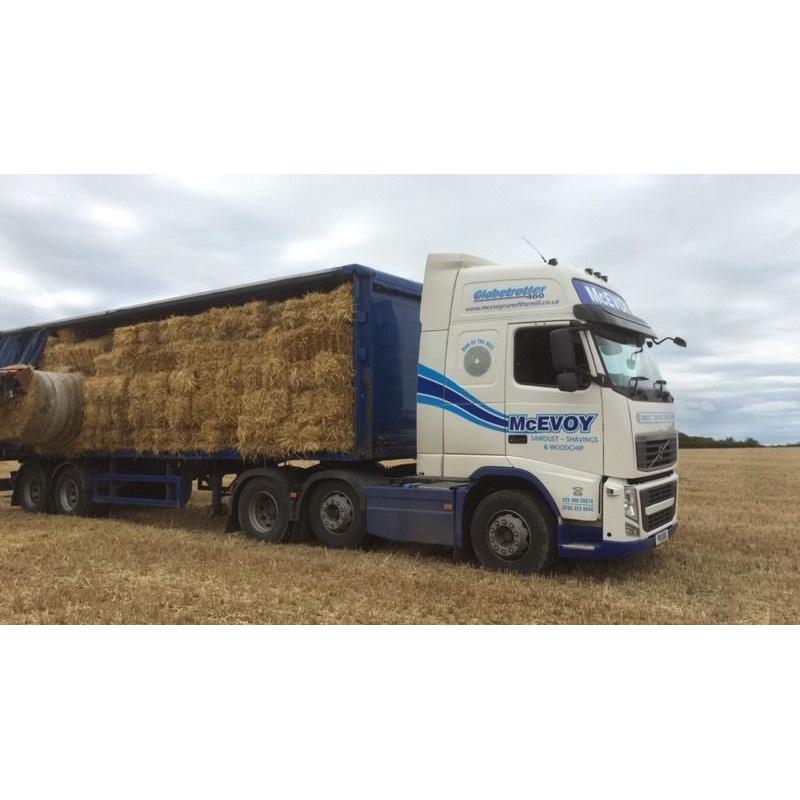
{"points": [[512, 532], [335, 514], [71, 493], [264, 510], [31, 489]]}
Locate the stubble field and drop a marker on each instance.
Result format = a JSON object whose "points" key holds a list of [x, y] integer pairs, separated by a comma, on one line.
{"points": [[734, 560]]}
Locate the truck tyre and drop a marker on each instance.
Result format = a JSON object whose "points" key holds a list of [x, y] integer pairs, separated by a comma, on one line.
{"points": [[264, 510], [71, 493], [513, 532], [335, 514], [31, 488]]}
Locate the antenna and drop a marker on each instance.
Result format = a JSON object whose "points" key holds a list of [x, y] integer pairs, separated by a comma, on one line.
{"points": [[529, 242]]}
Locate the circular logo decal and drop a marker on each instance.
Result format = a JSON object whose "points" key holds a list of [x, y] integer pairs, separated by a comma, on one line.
{"points": [[477, 360]]}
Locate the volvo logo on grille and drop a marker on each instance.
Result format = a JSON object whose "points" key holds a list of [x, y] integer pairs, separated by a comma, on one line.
{"points": [[660, 454]]}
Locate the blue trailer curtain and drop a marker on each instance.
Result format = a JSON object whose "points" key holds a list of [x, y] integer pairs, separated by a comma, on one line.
{"points": [[22, 348]]}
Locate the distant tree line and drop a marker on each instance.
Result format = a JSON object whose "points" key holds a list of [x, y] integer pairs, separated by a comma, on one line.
{"points": [[688, 442]]}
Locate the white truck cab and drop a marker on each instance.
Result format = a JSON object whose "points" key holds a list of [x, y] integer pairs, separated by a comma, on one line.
{"points": [[541, 373]]}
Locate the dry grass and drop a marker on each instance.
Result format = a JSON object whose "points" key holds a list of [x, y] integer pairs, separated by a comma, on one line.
{"points": [[735, 560]]}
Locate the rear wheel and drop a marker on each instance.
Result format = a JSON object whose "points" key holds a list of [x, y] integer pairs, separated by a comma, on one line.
{"points": [[511, 531], [71, 493], [32, 488], [335, 514], [264, 510]]}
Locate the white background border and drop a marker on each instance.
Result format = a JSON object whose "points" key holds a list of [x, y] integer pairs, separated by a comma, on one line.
{"points": [[389, 87]]}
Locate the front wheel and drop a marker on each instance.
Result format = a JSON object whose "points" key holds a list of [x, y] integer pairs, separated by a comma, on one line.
{"points": [[511, 531]]}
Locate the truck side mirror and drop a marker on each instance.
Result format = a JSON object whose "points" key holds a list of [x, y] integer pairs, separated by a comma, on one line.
{"points": [[567, 381], [562, 350]]}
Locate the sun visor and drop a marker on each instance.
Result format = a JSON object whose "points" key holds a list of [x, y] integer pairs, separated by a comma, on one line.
{"points": [[600, 315]]}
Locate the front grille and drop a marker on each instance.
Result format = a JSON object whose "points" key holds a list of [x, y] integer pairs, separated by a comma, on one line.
{"points": [[654, 453], [658, 494], [658, 519]]}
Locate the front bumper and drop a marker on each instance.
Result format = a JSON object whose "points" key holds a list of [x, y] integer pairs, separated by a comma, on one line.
{"points": [[657, 502], [571, 546]]}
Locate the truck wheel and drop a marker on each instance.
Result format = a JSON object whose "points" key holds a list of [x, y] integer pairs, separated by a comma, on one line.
{"points": [[335, 514], [31, 488], [71, 493], [511, 531], [264, 510]]}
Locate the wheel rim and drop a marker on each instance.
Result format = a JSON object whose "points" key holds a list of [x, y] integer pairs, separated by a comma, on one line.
{"points": [[336, 512], [69, 494], [509, 536], [33, 492], [263, 513]]}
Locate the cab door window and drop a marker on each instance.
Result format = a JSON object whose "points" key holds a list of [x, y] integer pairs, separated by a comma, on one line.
{"points": [[533, 364]]}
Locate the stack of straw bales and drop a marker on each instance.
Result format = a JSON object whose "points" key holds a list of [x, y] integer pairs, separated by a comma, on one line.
{"points": [[266, 379]]}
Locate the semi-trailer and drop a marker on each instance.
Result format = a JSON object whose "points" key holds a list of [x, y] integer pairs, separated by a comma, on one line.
{"points": [[513, 411]]}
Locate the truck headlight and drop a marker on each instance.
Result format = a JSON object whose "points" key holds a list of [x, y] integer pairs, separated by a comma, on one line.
{"points": [[632, 503]]}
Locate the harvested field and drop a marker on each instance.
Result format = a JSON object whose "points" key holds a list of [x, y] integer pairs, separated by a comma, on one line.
{"points": [[735, 560]]}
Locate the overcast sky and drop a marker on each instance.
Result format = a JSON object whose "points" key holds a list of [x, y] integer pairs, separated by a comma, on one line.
{"points": [[713, 259]]}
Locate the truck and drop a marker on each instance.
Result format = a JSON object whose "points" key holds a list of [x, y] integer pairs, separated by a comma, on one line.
{"points": [[515, 413]]}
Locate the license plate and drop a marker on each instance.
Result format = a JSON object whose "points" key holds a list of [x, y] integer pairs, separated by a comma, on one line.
{"points": [[662, 537]]}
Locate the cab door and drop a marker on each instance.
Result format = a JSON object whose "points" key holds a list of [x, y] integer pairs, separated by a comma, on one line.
{"points": [[555, 435]]}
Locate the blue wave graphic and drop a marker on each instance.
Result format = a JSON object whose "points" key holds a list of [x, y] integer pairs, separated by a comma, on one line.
{"points": [[459, 411], [435, 389]]}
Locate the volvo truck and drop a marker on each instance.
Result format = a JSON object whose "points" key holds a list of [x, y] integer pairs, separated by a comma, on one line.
{"points": [[514, 412]]}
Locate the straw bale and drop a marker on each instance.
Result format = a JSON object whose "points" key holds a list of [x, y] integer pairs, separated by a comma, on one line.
{"points": [[48, 416], [212, 437], [104, 364], [178, 408], [143, 358], [17, 415], [125, 336], [147, 396], [105, 401], [266, 417], [323, 422], [178, 329], [334, 308], [78, 356], [69, 335], [267, 379]]}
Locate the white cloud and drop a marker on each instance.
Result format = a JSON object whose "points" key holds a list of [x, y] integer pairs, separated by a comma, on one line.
{"points": [[14, 281], [771, 407], [67, 299], [338, 240], [117, 219]]}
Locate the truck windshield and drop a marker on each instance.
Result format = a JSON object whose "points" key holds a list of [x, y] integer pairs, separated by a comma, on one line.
{"points": [[628, 362]]}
